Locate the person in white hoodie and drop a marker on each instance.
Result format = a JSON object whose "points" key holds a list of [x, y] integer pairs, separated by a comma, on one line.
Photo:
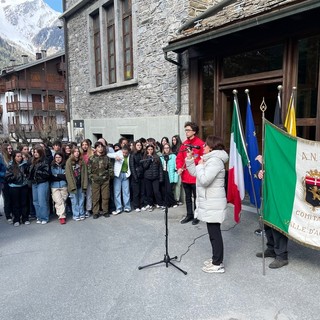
{"points": [[121, 180], [211, 196]]}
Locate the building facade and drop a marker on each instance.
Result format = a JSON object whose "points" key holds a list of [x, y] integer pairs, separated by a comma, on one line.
{"points": [[120, 83], [142, 68], [32, 99]]}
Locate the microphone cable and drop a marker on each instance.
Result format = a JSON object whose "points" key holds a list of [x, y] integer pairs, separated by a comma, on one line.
{"points": [[195, 239]]}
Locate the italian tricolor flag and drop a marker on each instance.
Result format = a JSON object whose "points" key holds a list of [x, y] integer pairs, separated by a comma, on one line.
{"points": [[291, 189], [237, 160]]}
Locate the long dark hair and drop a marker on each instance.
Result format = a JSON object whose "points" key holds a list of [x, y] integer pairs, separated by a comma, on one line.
{"points": [[41, 153], [175, 147], [15, 164], [134, 149]]}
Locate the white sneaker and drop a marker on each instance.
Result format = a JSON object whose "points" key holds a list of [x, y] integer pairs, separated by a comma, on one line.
{"points": [[76, 219], [208, 263], [175, 206], [116, 212], [82, 218], [150, 209], [137, 210], [10, 221], [27, 222], [16, 224], [127, 210], [145, 208], [44, 222], [213, 268], [38, 222]]}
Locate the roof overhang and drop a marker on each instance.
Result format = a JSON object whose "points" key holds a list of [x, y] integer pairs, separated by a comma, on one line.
{"points": [[73, 9], [181, 44]]}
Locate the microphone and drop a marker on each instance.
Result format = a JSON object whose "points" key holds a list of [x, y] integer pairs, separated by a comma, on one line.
{"points": [[191, 146]]}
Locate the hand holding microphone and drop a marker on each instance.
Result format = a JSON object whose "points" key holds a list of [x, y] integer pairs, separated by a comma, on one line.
{"points": [[190, 146]]}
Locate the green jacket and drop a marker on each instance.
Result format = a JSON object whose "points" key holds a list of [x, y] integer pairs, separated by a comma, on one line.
{"points": [[71, 180], [98, 168]]}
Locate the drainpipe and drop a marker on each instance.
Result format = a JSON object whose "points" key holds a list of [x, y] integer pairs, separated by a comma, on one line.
{"points": [[179, 66], [66, 55], [209, 12]]}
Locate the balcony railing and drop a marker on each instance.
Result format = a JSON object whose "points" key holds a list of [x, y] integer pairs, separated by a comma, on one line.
{"points": [[56, 85], [28, 128], [41, 106]]}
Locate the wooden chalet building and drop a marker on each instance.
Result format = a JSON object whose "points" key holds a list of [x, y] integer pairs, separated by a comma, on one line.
{"points": [[33, 99]]}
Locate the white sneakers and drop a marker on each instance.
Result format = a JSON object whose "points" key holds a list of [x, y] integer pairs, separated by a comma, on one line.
{"points": [[211, 268], [116, 212], [137, 210]]}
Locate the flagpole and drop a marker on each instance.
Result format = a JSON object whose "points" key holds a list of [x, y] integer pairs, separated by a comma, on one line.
{"points": [[263, 108], [249, 168], [235, 93]]}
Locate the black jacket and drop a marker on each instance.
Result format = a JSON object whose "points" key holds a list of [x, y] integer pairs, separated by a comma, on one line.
{"points": [[136, 167], [39, 172], [153, 169]]}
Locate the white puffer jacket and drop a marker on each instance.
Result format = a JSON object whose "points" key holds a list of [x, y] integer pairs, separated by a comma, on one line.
{"points": [[211, 196]]}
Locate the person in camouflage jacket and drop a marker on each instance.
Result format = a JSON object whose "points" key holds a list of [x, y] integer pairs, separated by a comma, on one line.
{"points": [[99, 173]]}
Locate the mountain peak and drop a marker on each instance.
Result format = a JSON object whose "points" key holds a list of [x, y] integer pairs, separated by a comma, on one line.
{"points": [[29, 25]]}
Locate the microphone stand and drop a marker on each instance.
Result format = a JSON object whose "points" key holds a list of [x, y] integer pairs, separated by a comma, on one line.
{"points": [[166, 259]]}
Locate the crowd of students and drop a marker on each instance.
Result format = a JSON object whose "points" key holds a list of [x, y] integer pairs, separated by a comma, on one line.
{"points": [[85, 180]]}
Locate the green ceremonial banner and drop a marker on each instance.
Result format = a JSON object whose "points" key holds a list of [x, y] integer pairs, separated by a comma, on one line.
{"points": [[291, 189]]}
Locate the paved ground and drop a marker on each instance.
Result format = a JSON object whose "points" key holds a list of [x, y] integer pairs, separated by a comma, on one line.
{"points": [[89, 270]]}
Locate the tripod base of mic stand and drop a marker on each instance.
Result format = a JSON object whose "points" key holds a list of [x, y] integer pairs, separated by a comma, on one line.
{"points": [[167, 261]]}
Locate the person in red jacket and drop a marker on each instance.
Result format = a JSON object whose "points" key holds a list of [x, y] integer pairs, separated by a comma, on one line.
{"points": [[189, 182]]}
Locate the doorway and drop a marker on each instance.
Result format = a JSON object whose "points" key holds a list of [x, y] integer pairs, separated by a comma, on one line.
{"points": [[268, 92]]}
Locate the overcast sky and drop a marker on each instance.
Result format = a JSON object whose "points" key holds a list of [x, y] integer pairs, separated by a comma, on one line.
{"points": [[55, 4]]}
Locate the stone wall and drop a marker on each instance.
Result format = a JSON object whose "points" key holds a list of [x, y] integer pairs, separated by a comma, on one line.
{"points": [[155, 94], [198, 6], [237, 10]]}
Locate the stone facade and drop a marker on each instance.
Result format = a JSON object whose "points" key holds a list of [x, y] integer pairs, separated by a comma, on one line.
{"points": [[145, 106]]}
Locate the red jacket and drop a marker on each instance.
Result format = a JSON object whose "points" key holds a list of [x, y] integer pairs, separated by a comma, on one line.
{"points": [[182, 154]]}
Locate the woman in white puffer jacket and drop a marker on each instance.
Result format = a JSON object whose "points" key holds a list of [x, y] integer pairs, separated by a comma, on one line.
{"points": [[211, 196]]}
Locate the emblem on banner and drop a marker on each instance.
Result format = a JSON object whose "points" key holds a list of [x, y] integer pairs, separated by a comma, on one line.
{"points": [[312, 181]]}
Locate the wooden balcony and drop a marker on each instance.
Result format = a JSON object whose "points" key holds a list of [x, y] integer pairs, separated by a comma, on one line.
{"points": [[35, 106], [56, 84], [2, 87], [32, 131]]}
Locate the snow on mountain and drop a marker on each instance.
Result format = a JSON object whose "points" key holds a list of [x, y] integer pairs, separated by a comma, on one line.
{"points": [[30, 25]]}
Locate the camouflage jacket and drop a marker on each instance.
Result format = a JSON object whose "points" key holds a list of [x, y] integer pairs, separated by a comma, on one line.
{"points": [[98, 168]]}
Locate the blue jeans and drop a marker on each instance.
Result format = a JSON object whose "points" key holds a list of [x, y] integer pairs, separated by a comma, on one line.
{"points": [[40, 194], [77, 203], [121, 183]]}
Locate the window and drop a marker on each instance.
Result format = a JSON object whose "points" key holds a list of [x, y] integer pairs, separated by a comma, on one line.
{"points": [[255, 61], [111, 44], [97, 49], [127, 39], [112, 49]]}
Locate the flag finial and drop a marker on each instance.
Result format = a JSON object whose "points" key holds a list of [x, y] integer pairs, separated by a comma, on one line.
{"points": [[279, 87], [235, 91]]}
